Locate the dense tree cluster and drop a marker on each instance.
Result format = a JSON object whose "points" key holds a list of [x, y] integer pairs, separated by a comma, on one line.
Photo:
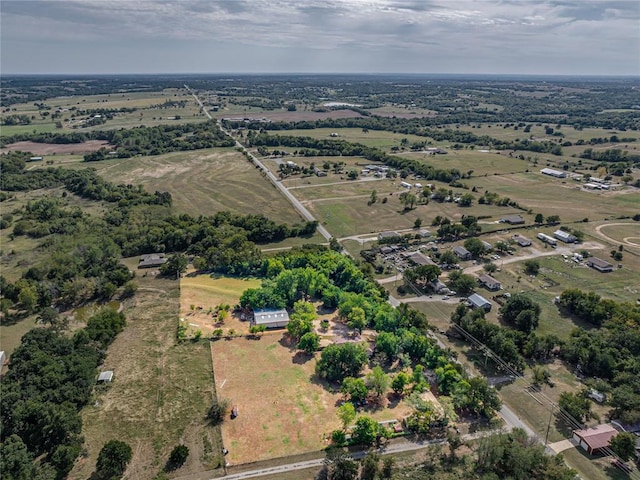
{"points": [[50, 379]]}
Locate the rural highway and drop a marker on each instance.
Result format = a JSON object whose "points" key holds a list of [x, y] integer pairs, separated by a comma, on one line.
{"points": [[274, 180]]}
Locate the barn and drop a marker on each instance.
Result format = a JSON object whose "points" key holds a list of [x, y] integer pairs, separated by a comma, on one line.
{"points": [[595, 438], [271, 318]]}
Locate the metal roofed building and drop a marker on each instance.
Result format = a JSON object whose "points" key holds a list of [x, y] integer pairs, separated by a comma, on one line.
{"points": [[462, 252], [271, 318], [553, 173], [595, 438], [478, 301], [512, 219], [105, 377], [565, 237]]}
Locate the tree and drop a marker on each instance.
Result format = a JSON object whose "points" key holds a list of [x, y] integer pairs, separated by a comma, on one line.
{"points": [[465, 200], [448, 258], [522, 312], [373, 198], [490, 267], [49, 316], [218, 410], [408, 200], [417, 223], [356, 319], [309, 342], [339, 465], [28, 298], [378, 381], [370, 466], [475, 247], [346, 414], [365, 431], [16, 463], [340, 361], [462, 283], [577, 406], [175, 265], [399, 382], [553, 219], [352, 175], [301, 319], [539, 218], [113, 459], [624, 445], [178, 456], [532, 267], [355, 389], [539, 375]]}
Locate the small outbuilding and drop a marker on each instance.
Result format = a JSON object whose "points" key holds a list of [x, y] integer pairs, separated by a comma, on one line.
{"points": [[271, 318], [478, 301], [522, 241], [599, 264], [3, 357], [105, 377], [594, 439]]}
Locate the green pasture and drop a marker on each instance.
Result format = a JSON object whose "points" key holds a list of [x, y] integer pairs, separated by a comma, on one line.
{"points": [[373, 138]]}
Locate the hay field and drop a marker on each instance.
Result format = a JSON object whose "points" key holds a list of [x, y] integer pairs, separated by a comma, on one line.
{"points": [[202, 182], [160, 393], [373, 138]]}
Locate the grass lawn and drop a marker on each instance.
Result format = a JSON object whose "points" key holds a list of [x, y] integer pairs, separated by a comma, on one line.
{"points": [[10, 335], [160, 393], [205, 292]]}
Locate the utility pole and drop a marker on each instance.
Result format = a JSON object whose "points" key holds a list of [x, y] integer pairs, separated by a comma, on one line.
{"points": [[546, 438]]}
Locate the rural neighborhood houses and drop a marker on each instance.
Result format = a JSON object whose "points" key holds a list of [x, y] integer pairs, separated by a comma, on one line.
{"points": [[271, 318], [420, 259], [547, 239], [489, 282], [599, 264], [462, 253]]}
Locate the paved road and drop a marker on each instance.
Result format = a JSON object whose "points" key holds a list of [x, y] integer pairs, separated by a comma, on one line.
{"points": [[277, 183], [396, 447]]}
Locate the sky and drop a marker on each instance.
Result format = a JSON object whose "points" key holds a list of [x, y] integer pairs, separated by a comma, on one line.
{"points": [[547, 37]]}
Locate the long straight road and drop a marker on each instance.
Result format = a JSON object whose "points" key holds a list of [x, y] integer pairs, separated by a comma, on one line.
{"points": [[302, 210]]}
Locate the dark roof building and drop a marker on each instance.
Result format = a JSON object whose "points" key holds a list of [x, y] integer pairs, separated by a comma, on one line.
{"points": [[595, 438], [599, 264], [271, 318], [478, 301], [512, 219], [489, 282], [462, 253], [522, 241], [420, 259], [152, 260]]}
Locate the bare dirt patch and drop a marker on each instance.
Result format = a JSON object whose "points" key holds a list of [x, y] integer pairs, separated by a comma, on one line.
{"points": [[55, 148]]}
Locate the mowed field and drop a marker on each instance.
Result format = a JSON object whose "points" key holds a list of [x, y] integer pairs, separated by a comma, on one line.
{"points": [[205, 292], [378, 138], [160, 392], [283, 409], [202, 182]]}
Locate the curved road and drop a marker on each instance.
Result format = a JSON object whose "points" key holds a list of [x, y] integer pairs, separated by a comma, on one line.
{"points": [[274, 180]]}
